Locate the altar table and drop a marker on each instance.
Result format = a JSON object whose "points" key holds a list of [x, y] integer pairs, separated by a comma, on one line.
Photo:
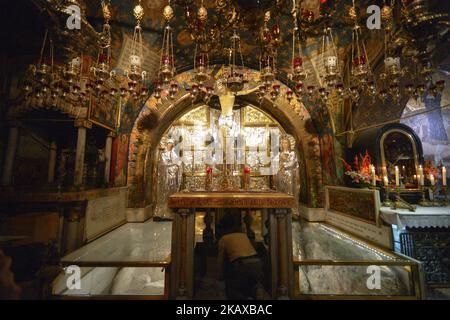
{"points": [[183, 235]]}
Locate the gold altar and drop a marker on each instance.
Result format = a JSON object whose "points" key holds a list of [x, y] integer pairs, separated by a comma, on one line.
{"points": [[278, 213]]}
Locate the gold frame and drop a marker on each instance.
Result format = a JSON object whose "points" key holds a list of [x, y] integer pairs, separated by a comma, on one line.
{"points": [[411, 139], [114, 104]]}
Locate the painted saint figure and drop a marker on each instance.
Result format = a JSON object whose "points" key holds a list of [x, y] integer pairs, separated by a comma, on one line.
{"points": [[169, 177], [286, 170]]}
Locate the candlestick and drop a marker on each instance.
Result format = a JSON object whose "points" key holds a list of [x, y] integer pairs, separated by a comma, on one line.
{"points": [[374, 181], [444, 194], [444, 176], [422, 181], [386, 181], [424, 202], [397, 177], [432, 182], [387, 201]]}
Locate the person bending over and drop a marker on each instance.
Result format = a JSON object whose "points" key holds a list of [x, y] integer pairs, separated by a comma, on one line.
{"points": [[238, 262]]}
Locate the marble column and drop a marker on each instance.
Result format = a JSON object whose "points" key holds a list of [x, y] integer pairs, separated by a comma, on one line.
{"points": [[281, 253], [10, 156], [82, 126], [52, 163], [108, 149], [183, 243], [73, 228]]}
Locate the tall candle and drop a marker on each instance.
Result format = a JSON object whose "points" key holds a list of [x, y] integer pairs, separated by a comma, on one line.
{"points": [[422, 182], [386, 181], [397, 177], [444, 176], [374, 180], [432, 180]]}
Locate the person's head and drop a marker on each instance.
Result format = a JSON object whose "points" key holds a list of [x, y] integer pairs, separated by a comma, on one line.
{"points": [[228, 224], [169, 145], [285, 144]]}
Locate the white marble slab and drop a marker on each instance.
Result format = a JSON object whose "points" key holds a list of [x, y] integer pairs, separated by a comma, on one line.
{"points": [[133, 242], [423, 217]]}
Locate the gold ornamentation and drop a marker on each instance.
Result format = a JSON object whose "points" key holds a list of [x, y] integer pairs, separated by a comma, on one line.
{"points": [[168, 13], [255, 117], [138, 12], [202, 14]]}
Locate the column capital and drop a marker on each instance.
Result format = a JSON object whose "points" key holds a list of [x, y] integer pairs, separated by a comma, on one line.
{"points": [[111, 134], [281, 212], [185, 212], [83, 123]]}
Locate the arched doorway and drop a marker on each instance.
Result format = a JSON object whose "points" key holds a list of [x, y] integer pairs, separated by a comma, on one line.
{"points": [[158, 115]]}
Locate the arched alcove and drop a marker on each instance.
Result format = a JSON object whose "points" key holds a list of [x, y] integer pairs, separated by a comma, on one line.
{"points": [[158, 114]]}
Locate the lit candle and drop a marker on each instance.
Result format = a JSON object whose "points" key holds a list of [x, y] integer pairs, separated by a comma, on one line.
{"points": [[374, 181], [397, 177], [444, 176], [384, 171], [422, 182], [386, 181], [432, 180]]}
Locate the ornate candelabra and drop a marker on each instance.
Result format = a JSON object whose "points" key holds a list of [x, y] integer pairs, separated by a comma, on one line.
{"points": [[387, 202], [424, 202], [444, 201], [400, 203]]}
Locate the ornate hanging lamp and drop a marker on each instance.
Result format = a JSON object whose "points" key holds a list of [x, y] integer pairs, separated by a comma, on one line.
{"points": [[298, 73], [235, 77], [167, 64], [42, 82], [101, 71], [361, 77], [270, 39], [136, 76]]}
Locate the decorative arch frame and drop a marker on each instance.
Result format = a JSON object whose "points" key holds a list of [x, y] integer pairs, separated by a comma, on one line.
{"points": [[157, 115]]}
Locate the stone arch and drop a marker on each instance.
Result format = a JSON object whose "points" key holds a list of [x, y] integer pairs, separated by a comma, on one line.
{"points": [[157, 116]]}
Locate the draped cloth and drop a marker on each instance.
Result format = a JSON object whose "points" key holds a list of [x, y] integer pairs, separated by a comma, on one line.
{"points": [[169, 177]]}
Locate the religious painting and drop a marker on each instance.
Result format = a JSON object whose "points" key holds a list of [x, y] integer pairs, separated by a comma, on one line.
{"points": [[360, 204], [429, 117], [104, 112], [121, 160]]}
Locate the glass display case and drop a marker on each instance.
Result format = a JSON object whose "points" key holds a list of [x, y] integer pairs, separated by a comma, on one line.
{"points": [[330, 263], [132, 261], [390, 146]]}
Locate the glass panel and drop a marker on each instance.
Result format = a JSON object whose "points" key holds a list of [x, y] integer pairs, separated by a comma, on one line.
{"points": [[399, 151], [353, 280], [316, 241], [147, 242], [105, 281]]}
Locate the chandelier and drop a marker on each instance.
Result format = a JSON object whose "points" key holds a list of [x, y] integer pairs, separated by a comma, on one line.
{"points": [[167, 69], [270, 39], [361, 80], [332, 77], [235, 78], [298, 74], [72, 81], [135, 75], [103, 77], [45, 87]]}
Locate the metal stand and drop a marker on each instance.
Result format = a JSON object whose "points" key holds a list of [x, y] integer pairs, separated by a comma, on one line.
{"points": [[444, 201], [400, 203], [424, 202], [387, 202]]}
